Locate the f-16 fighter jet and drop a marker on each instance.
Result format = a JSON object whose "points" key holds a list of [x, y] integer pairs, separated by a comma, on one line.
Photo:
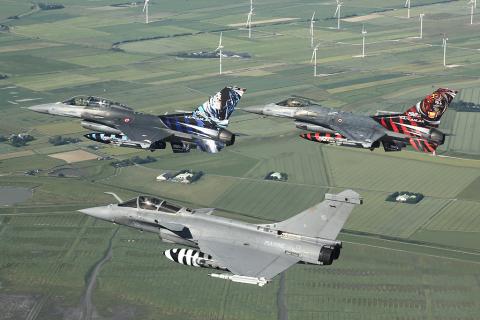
{"points": [[247, 253], [115, 123], [417, 126]]}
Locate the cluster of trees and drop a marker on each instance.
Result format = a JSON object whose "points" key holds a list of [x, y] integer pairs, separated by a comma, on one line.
{"points": [[465, 106], [276, 176], [194, 175], [3, 76], [213, 54], [132, 161], [18, 140], [405, 197], [50, 6], [59, 140]]}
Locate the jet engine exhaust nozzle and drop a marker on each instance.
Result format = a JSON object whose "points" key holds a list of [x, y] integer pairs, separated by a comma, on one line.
{"points": [[227, 137]]}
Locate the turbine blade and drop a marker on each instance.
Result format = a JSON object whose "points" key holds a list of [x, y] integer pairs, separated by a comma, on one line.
{"points": [[313, 16]]}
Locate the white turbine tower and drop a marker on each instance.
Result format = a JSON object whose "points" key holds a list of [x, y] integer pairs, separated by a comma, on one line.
{"points": [[249, 20], [364, 34], [312, 22], [314, 60], [145, 9], [421, 24], [338, 13], [407, 5], [444, 45], [472, 9], [219, 49]]}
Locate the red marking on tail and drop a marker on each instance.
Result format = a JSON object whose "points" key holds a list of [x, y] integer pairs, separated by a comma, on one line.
{"points": [[394, 127], [414, 144]]}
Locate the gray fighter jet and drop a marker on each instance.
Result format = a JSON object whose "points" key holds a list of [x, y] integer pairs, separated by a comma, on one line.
{"points": [[117, 124], [417, 126], [248, 253]]}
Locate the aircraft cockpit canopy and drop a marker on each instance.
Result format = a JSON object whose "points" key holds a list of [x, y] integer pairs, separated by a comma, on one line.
{"points": [[91, 101], [295, 102], [151, 203]]}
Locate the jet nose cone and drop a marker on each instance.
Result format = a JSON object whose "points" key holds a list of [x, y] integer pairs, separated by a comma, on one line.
{"points": [[254, 109], [41, 108], [104, 213]]}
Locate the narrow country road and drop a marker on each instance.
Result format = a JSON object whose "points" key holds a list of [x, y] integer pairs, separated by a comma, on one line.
{"points": [[86, 306]]}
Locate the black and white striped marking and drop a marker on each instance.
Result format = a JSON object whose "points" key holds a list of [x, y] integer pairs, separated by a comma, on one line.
{"points": [[188, 257]]}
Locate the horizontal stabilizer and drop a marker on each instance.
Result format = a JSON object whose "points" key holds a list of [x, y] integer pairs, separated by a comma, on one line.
{"points": [[340, 198]]}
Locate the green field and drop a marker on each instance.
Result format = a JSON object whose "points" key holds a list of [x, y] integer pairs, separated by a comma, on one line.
{"points": [[399, 261]]}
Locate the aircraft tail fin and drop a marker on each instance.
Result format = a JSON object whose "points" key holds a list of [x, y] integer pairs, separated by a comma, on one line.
{"points": [[324, 220], [220, 107], [425, 113], [431, 109]]}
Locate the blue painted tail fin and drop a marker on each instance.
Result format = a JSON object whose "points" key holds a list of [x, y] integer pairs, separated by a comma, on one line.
{"points": [[220, 107]]}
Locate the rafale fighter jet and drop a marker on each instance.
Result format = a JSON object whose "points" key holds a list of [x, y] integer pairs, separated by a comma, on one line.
{"points": [[417, 126], [115, 123], [248, 253]]}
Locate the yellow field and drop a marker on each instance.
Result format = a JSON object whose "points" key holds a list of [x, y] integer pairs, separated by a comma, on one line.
{"points": [[74, 156]]}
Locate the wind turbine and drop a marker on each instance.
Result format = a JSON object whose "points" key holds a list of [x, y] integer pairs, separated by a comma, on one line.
{"points": [[145, 9], [473, 5], [219, 49], [364, 34], [407, 5], [444, 45], [312, 22], [421, 25], [249, 20], [314, 60], [338, 13]]}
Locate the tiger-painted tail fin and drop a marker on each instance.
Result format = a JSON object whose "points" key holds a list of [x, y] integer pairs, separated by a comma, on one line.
{"points": [[220, 107], [425, 113], [431, 109]]}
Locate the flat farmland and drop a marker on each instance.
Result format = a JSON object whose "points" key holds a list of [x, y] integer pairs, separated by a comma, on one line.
{"points": [[398, 260]]}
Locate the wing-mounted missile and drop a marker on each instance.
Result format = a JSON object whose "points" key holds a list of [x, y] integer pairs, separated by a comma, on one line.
{"points": [[194, 258], [99, 127], [324, 137], [122, 140], [240, 279], [312, 127], [332, 138]]}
